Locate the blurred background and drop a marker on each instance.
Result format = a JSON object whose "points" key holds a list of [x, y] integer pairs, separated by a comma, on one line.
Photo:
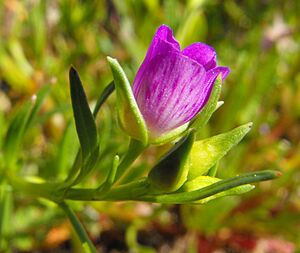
{"points": [[259, 41]]}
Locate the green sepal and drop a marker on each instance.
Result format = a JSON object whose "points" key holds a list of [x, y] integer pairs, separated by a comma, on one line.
{"points": [[204, 181], [219, 104], [206, 153], [170, 136], [129, 115], [171, 171], [204, 115], [84, 120]]}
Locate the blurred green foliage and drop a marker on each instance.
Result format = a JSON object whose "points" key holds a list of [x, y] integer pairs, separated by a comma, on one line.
{"points": [[258, 40]]}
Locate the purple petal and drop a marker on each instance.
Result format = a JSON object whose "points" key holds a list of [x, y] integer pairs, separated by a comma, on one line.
{"points": [[202, 53], [172, 91], [165, 33], [211, 77], [224, 71], [163, 41], [212, 74]]}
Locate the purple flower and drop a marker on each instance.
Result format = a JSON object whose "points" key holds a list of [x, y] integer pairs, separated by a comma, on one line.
{"points": [[172, 86]]}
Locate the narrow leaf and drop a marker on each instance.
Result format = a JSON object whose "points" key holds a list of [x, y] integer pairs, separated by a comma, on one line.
{"points": [[84, 120], [220, 186], [77, 162], [110, 177], [205, 153], [204, 181]]}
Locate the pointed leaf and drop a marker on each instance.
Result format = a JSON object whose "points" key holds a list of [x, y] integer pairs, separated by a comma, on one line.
{"points": [[210, 190], [77, 162], [84, 120], [171, 171], [205, 153], [129, 115], [204, 181]]}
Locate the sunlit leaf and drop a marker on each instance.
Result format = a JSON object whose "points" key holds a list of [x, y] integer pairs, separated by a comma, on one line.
{"points": [[205, 153]]}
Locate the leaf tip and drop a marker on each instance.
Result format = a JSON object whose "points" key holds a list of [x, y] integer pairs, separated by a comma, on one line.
{"points": [[33, 98], [221, 102], [72, 71], [251, 187], [111, 60], [116, 158]]}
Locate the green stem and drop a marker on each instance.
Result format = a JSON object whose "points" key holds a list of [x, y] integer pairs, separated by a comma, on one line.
{"points": [[138, 190], [134, 150], [5, 216], [105, 187], [79, 229], [128, 191], [44, 190]]}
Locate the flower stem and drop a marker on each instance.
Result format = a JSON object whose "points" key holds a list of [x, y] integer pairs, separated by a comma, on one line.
{"points": [[134, 150], [79, 229], [140, 190]]}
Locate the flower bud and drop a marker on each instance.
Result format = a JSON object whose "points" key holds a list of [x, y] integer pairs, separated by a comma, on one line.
{"points": [[170, 173]]}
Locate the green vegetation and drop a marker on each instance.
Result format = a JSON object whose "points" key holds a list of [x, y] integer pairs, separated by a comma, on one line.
{"points": [[40, 40]]}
